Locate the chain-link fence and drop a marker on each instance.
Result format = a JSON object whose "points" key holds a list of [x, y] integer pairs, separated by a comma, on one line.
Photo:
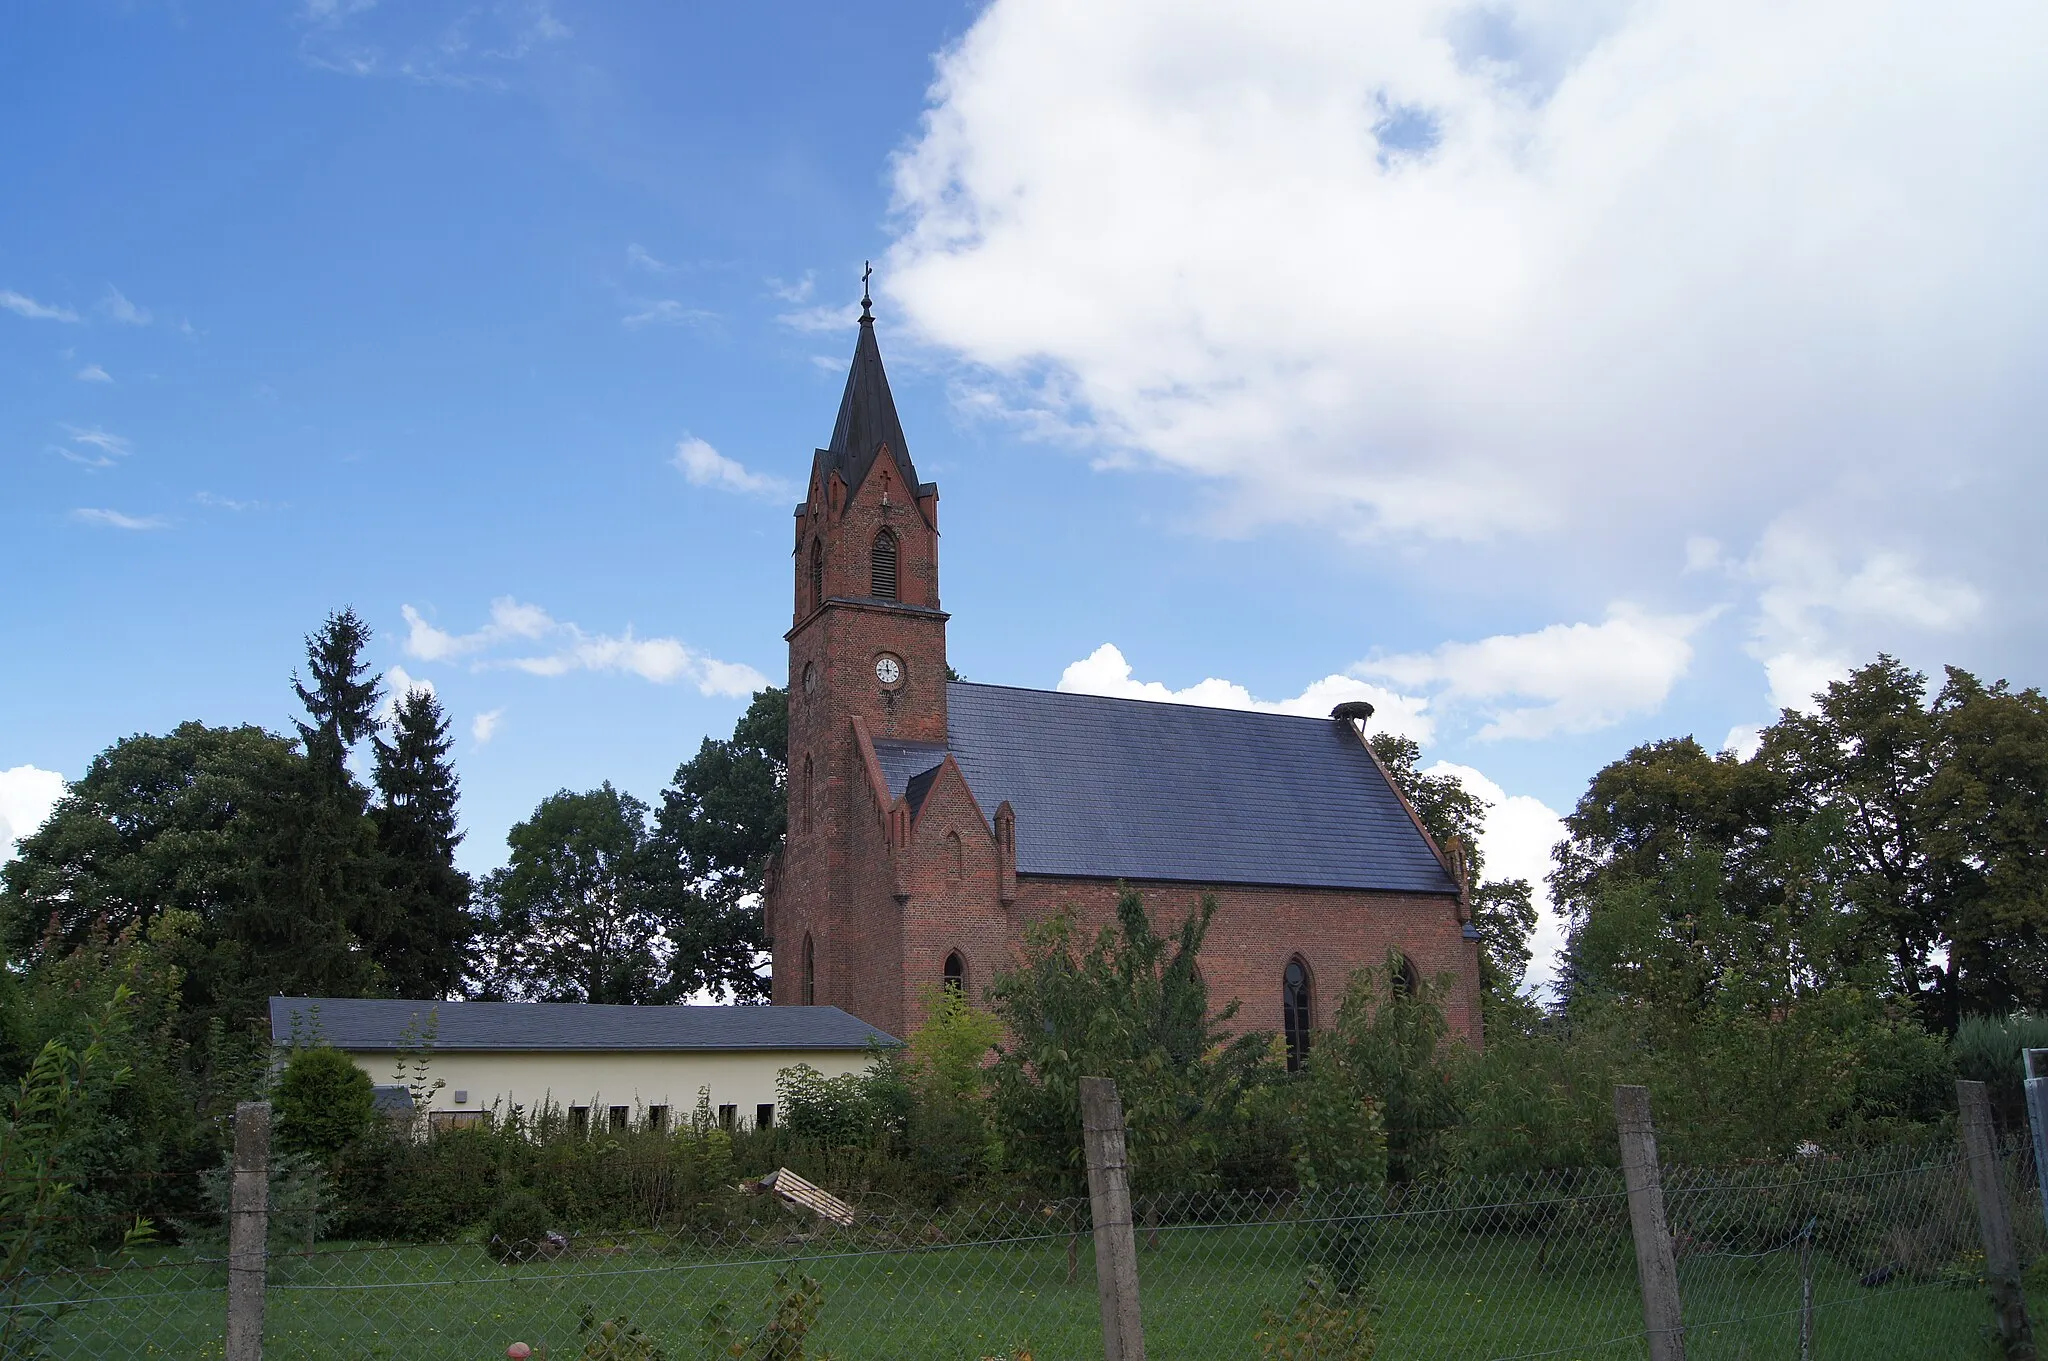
{"points": [[1870, 1256]]}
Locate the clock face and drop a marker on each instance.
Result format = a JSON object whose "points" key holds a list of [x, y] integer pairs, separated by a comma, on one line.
{"points": [[810, 678], [888, 670]]}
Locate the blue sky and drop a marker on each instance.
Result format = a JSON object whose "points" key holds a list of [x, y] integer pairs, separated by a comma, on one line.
{"points": [[1560, 378]]}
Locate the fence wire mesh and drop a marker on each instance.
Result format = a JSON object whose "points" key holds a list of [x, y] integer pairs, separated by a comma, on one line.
{"points": [[1866, 1257]]}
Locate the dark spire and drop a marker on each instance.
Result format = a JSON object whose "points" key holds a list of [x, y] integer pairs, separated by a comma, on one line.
{"points": [[867, 413]]}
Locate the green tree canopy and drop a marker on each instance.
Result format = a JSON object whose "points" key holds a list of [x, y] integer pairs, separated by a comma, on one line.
{"points": [[719, 821], [575, 916], [1503, 910]]}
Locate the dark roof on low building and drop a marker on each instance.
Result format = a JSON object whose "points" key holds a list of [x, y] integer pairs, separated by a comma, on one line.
{"points": [[358, 1023], [1133, 789]]}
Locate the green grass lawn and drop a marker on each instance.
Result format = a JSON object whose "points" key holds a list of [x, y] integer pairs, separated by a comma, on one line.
{"points": [[1204, 1293]]}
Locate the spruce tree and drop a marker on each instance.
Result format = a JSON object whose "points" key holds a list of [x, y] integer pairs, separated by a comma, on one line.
{"points": [[427, 943], [342, 699], [321, 875]]}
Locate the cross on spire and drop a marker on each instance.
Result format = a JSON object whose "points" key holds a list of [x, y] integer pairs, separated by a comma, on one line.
{"points": [[866, 303]]}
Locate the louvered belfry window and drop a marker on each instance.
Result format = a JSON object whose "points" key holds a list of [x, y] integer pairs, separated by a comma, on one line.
{"points": [[884, 562], [817, 573]]}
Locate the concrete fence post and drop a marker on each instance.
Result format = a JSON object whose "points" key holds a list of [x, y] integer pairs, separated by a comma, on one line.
{"points": [[248, 1231], [1656, 1266], [2037, 1118], [1116, 1240], [1994, 1219]]}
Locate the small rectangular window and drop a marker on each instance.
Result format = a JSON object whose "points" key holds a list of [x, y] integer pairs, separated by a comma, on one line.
{"points": [[579, 1119], [764, 1115], [728, 1118], [657, 1118], [622, 1116]]}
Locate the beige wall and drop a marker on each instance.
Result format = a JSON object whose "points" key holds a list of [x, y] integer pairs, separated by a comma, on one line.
{"points": [[601, 1079]]}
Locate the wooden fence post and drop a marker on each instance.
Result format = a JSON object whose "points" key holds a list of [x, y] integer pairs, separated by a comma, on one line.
{"points": [[1656, 1267], [248, 1231], [1116, 1241], [1994, 1218]]}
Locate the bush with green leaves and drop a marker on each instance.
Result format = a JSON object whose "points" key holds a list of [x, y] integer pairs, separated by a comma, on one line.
{"points": [[1128, 1004], [517, 1230], [790, 1314], [1991, 1050], [323, 1103]]}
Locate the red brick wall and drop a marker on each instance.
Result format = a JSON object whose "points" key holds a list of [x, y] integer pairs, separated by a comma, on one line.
{"points": [[1257, 930]]}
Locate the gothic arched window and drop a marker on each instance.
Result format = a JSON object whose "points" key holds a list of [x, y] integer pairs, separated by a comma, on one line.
{"points": [[810, 972], [883, 561], [956, 974], [1406, 982], [817, 573], [1295, 1013]]}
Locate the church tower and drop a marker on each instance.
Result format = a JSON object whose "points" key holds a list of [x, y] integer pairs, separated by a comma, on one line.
{"points": [[867, 657]]}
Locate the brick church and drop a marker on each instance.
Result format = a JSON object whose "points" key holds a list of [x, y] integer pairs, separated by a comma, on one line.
{"points": [[930, 820]]}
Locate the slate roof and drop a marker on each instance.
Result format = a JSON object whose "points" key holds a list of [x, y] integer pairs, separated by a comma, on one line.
{"points": [[867, 418], [1121, 788], [356, 1023]]}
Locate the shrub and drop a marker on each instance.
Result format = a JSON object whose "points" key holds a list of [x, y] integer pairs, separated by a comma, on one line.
{"points": [[792, 1309], [518, 1229], [615, 1339], [1324, 1325], [323, 1103], [1987, 1049]]}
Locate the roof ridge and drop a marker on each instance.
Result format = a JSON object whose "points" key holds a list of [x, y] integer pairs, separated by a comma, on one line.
{"points": [[1150, 703]]}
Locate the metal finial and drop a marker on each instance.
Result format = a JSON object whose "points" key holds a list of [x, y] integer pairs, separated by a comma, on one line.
{"points": [[866, 303]]}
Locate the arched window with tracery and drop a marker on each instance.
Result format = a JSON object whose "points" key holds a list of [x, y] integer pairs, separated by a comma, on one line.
{"points": [[956, 974], [1406, 982], [810, 972], [883, 561], [817, 573], [1296, 1015]]}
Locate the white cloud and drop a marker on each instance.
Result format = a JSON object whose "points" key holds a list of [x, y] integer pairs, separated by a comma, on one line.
{"points": [[484, 726], [661, 660], [24, 306], [667, 312], [797, 292], [117, 306], [457, 44], [398, 683], [1105, 672], [26, 797], [114, 519], [1743, 741], [1516, 842], [95, 448], [704, 466], [1819, 605], [638, 257], [93, 373], [833, 320], [1599, 273], [509, 620], [1583, 676], [207, 498]]}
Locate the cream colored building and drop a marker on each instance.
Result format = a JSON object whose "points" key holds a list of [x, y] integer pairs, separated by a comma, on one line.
{"points": [[604, 1067]]}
